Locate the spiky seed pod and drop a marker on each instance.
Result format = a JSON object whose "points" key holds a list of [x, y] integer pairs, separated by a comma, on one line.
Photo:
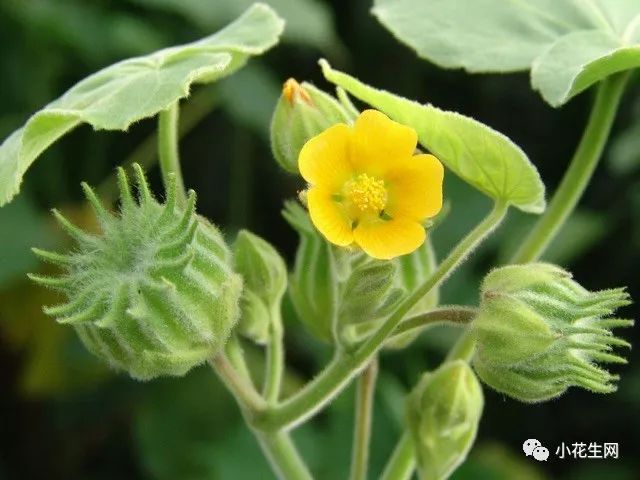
{"points": [[539, 332], [155, 293]]}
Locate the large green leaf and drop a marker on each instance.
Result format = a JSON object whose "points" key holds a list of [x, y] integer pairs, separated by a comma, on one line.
{"points": [[475, 152], [309, 22], [134, 89], [568, 44]]}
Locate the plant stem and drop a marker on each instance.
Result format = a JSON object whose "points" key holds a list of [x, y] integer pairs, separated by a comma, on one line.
{"points": [[249, 400], [199, 106], [463, 348], [235, 354], [364, 413], [275, 361], [168, 150], [346, 365], [283, 456], [402, 461], [278, 447], [580, 170], [451, 314]]}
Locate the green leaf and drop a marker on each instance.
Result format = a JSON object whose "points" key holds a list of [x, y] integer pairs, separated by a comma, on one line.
{"points": [[569, 46], [137, 88], [309, 22], [563, 70], [475, 152]]}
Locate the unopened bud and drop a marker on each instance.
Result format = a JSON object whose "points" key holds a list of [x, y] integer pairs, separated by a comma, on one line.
{"points": [[443, 412], [265, 281], [302, 112]]}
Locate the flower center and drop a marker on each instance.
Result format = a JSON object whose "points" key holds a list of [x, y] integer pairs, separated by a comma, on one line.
{"points": [[366, 193]]}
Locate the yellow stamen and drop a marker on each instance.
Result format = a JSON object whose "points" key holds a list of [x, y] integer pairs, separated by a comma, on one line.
{"points": [[366, 193]]}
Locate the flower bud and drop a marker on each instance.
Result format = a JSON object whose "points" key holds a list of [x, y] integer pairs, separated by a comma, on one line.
{"points": [[302, 112], [539, 332], [443, 412], [265, 281], [313, 283], [155, 293]]}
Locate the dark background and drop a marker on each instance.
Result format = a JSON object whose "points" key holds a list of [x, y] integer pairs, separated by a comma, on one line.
{"points": [[63, 415]]}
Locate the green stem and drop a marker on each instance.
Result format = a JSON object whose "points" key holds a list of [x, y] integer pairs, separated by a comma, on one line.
{"points": [[463, 348], [448, 314], [278, 447], [402, 462], [275, 361], [168, 150], [346, 365], [580, 171], [249, 400], [364, 413], [283, 456], [199, 106], [235, 354]]}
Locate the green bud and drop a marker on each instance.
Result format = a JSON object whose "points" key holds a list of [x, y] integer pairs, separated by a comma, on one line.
{"points": [[302, 112], [413, 270], [313, 286], [539, 332], [265, 281], [366, 297], [339, 295], [443, 412], [155, 293]]}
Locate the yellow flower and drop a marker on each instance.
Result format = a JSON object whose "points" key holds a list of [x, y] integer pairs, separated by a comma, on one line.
{"points": [[367, 187]]}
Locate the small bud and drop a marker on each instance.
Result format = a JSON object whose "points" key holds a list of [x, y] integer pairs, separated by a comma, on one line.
{"points": [[302, 112], [155, 293], [265, 281], [539, 332], [443, 412]]}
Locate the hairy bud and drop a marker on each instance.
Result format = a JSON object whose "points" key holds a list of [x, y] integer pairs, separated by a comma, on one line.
{"points": [[155, 293], [443, 412], [265, 281], [539, 332], [302, 112]]}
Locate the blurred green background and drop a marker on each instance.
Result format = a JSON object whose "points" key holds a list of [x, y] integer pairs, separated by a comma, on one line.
{"points": [[64, 415]]}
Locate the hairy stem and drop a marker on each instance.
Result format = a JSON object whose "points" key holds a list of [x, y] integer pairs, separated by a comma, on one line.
{"points": [[283, 456], [278, 447], [364, 413], [275, 360], [239, 386], [402, 462], [346, 365], [448, 314], [168, 150], [580, 170], [199, 106]]}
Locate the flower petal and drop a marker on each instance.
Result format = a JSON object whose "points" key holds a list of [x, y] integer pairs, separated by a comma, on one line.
{"points": [[415, 188], [387, 239], [379, 142], [324, 159], [329, 217]]}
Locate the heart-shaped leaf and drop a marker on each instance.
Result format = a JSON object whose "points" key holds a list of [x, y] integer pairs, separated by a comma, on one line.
{"points": [[481, 156], [568, 45], [137, 88]]}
